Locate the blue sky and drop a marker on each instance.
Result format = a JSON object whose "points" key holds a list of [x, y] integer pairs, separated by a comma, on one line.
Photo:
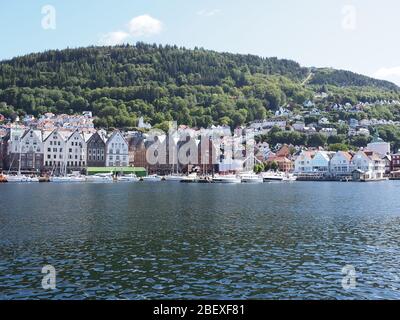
{"points": [[357, 35]]}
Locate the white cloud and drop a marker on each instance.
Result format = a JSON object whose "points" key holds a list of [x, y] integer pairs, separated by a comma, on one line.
{"points": [[144, 26], [208, 13], [384, 73], [114, 38]]}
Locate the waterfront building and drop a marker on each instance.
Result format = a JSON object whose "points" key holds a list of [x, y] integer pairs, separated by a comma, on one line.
{"points": [[208, 155], [395, 162], [284, 164], [12, 148], [96, 150], [117, 154], [368, 165], [32, 151], [340, 164], [320, 162], [137, 151], [76, 151], [55, 155], [303, 163]]}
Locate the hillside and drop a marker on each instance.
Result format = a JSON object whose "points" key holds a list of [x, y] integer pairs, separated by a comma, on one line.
{"points": [[195, 87]]}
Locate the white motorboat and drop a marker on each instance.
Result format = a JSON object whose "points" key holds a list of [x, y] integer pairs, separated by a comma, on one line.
{"points": [[191, 178], [278, 176], [68, 179], [228, 179], [20, 178], [251, 177], [152, 178], [128, 178], [100, 178], [173, 178]]}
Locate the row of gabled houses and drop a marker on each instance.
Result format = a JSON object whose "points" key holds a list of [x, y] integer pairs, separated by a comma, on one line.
{"points": [[342, 164], [32, 150], [373, 163]]}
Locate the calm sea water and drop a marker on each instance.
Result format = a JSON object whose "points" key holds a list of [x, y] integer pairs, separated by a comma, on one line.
{"points": [[164, 241]]}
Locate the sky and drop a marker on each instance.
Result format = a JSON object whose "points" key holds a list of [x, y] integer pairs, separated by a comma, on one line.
{"points": [[356, 35]]}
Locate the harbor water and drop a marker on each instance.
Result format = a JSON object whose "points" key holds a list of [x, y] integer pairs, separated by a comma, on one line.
{"points": [[201, 241]]}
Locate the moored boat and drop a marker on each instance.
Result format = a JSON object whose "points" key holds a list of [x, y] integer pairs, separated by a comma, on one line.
{"points": [[20, 178], [206, 179], [68, 179], [251, 177], [227, 179], [100, 178], [128, 178], [152, 178], [191, 178], [278, 176], [173, 178]]}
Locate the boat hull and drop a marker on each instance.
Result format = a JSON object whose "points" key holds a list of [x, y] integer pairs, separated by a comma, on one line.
{"points": [[227, 180], [252, 180]]}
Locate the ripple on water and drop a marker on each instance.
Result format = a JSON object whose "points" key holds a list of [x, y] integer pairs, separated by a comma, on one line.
{"points": [[262, 242]]}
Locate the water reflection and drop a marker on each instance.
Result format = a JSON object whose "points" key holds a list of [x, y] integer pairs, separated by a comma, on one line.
{"points": [[142, 241]]}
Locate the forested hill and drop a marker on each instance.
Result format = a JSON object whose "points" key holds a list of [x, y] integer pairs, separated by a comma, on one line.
{"points": [[347, 78], [195, 87], [97, 67]]}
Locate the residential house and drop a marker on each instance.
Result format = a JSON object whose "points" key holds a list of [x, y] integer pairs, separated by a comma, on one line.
{"points": [[12, 148], [284, 163], [323, 121], [55, 155], [299, 126], [368, 166], [340, 164], [117, 154], [353, 123], [329, 132], [96, 150], [137, 151], [395, 163], [76, 151], [363, 132], [32, 151], [303, 163], [320, 162], [308, 104]]}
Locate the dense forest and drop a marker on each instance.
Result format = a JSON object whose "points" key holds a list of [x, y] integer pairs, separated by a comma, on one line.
{"points": [[161, 83]]}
